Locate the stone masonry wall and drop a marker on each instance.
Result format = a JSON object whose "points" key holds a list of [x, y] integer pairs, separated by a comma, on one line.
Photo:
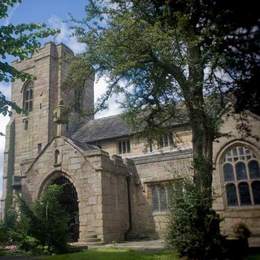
{"points": [[248, 215]]}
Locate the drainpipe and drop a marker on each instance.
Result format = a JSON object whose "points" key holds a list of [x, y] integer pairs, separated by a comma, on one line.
{"points": [[128, 180]]}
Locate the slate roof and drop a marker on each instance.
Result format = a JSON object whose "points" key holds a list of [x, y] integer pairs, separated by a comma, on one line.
{"points": [[85, 146], [102, 128], [109, 127]]}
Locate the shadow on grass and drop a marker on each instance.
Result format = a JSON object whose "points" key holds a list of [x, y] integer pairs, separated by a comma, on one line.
{"points": [[115, 254]]}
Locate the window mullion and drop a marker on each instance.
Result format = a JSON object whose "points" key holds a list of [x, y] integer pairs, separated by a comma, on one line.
{"points": [[238, 194], [249, 184], [159, 198]]}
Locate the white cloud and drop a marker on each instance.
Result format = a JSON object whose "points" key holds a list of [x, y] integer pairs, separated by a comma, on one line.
{"points": [[65, 35], [3, 122], [6, 90], [100, 88], [100, 85], [10, 14]]}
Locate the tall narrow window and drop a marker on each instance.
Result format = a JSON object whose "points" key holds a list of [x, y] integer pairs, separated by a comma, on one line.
{"points": [[165, 140], [78, 99], [160, 197], [231, 194], [39, 147], [241, 176], [256, 192], [28, 97], [25, 121], [124, 146], [57, 157]]}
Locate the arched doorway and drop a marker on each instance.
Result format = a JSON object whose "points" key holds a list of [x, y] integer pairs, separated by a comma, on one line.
{"points": [[69, 200]]}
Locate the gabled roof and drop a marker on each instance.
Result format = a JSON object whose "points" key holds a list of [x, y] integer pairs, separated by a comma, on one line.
{"points": [[81, 147], [112, 127], [102, 128]]}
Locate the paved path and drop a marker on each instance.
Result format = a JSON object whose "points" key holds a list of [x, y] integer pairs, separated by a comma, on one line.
{"points": [[16, 258], [150, 245]]}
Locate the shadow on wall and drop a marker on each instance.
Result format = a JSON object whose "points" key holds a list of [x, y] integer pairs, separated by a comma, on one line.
{"points": [[143, 222]]}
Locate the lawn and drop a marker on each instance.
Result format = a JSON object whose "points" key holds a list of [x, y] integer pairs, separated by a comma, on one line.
{"points": [[114, 254], [122, 254]]}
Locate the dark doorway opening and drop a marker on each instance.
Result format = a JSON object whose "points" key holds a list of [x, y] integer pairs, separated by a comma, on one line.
{"points": [[69, 200]]}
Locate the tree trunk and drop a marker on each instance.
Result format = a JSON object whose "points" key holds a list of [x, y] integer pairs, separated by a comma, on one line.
{"points": [[202, 132], [202, 141]]}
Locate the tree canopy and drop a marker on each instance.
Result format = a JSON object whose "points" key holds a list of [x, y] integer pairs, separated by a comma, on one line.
{"points": [[160, 54], [167, 55], [17, 41]]}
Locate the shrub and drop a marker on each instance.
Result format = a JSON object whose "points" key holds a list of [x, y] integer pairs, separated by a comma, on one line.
{"points": [[3, 234], [241, 231], [193, 227], [46, 221]]}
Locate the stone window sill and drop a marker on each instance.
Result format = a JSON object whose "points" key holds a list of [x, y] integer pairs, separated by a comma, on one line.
{"points": [[243, 208], [162, 213]]}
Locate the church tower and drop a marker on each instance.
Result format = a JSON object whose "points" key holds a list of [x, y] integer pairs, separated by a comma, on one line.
{"points": [[42, 98]]}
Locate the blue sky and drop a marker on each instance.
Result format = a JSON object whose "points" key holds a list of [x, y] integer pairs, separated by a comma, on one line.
{"points": [[54, 13], [42, 10]]}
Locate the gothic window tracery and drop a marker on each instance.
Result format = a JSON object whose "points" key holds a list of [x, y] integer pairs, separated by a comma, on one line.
{"points": [[28, 97], [241, 176]]}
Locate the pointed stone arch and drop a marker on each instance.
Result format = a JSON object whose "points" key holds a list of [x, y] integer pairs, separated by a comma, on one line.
{"points": [[69, 200]]}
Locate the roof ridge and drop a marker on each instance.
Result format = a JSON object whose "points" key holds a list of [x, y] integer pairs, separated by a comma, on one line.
{"points": [[106, 117]]}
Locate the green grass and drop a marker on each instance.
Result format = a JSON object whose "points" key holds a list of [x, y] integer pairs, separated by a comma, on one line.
{"points": [[114, 254]]}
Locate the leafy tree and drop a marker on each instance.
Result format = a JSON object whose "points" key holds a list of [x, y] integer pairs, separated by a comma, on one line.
{"points": [[168, 53], [46, 221], [18, 41], [164, 55]]}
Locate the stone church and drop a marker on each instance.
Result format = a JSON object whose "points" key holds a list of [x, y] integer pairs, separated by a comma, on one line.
{"points": [[116, 183]]}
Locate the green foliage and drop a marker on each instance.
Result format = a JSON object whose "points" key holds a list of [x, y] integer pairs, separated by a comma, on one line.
{"points": [[46, 221], [3, 234], [241, 230], [164, 56], [78, 74], [116, 254], [10, 218], [19, 41], [193, 227], [161, 52]]}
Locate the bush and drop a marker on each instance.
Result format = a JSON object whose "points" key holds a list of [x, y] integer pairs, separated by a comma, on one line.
{"points": [[46, 221], [7, 227], [194, 227], [3, 234]]}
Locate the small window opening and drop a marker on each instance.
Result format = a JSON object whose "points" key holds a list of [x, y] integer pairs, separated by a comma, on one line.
{"points": [[39, 147], [28, 97], [166, 140], [124, 146], [78, 99], [57, 157], [25, 124]]}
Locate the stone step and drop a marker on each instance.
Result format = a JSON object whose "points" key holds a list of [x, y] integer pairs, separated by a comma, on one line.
{"points": [[91, 236], [78, 245], [99, 243], [91, 232], [92, 240]]}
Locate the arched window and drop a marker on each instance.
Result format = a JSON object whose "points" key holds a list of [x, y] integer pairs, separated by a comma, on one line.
{"points": [[28, 97], [241, 176], [57, 160]]}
